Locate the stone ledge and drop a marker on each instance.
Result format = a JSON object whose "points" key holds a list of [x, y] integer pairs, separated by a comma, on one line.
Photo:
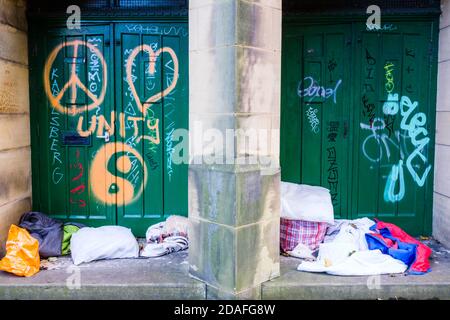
{"points": [[167, 278]]}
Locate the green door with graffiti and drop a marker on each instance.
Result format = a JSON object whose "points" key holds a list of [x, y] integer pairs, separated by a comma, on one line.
{"points": [[109, 123], [363, 101]]}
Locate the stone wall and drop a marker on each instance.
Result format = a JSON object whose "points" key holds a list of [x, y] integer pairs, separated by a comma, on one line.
{"points": [[15, 156], [441, 210]]}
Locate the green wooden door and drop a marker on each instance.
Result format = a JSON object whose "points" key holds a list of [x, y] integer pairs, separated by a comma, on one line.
{"points": [[394, 122], [109, 101], [152, 96], [369, 138], [315, 131]]}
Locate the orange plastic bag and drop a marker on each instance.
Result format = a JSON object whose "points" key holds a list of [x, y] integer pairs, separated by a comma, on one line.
{"points": [[22, 253]]}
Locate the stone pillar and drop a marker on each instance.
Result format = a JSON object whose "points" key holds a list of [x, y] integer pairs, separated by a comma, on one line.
{"points": [[234, 176], [441, 209]]}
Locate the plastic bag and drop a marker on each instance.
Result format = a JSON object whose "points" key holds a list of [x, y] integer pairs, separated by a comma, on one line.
{"points": [[22, 253], [307, 203], [107, 242]]}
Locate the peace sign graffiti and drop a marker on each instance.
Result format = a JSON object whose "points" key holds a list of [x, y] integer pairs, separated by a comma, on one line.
{"points": [[74, 81]]}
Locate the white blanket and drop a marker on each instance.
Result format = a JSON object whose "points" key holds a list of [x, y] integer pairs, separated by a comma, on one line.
{"points": [[360, 263], [345, 252]]}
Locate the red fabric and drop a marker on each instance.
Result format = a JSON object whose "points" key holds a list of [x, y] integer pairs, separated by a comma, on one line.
{"points": [[422, 263], [390, 243], [293, 232]]}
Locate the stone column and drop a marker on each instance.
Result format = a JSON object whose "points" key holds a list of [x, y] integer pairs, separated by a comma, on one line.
{"points": [[234, 176], [441, 208]]}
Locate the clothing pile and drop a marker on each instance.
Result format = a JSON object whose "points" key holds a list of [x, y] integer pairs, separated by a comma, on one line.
{"points": [[166, 237], [344, 247]]}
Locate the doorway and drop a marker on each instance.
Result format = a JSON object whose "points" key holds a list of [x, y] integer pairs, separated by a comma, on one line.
{"points": [[110, 102]]}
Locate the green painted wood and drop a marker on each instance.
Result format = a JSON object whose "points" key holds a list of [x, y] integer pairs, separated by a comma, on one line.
{"points": [[103, 151], [387, 153], [315, 129]]}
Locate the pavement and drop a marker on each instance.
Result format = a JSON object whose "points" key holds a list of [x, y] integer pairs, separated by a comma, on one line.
{"points": [[167, 278]]}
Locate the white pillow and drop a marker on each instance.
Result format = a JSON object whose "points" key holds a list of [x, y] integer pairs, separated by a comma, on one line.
{"points": [[304, 202], [107, 242]]}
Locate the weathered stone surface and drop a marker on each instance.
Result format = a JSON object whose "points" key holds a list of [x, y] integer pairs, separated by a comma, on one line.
{"points": [[234, 189], [444, 44], [218, 25], [10, 213], [258, 81], [138, 279], [13, 44], [443, 94], [441, 201], [231, 198], [441, 172], [249, 294], [443, 128], [167, 278], [15, 181], [445, 17], [14, 90], [234, 259], [215, 69], [257, 26], [15, 131], [12, 12], [225, 137], [441, 218]]}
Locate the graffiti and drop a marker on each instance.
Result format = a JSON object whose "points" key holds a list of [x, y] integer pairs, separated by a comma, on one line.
{"points": [[385, 27], [369, 109], [395, 175], [314, 90], [169, 152], [332, 64], [153, 55], [117, 171], [415, 128], [383, 143], [314, 122], [333, 174], [153, 164], [54, 133], [333, 129], [389, 85], [77, 191], [121, 188], [74, 82], [412, 125], [157, 29], [369, 83]]}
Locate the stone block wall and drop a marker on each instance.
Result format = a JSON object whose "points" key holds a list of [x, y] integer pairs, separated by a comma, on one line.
{"points": [[15, 155]]}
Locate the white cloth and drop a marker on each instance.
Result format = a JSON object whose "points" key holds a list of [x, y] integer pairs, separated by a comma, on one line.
{"points": [[352, 231], [169, 245], [301, 251], [307, 203], [360, 263], [174, 225], [107, 242], [166, 237]]}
